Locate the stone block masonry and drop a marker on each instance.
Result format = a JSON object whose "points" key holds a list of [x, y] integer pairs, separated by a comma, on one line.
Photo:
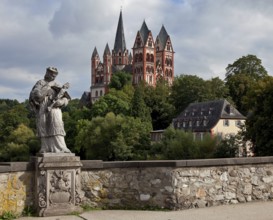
{"points": [[172, 185]]}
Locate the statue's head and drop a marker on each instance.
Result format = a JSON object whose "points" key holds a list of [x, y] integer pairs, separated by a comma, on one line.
{"points": [[51, 73]]}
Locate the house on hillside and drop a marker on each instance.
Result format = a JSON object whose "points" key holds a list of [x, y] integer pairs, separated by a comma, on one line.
{"points": [[218, 118]]}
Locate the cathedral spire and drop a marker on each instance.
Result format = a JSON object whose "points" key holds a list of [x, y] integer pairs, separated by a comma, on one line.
{"points": [[120, 38]]}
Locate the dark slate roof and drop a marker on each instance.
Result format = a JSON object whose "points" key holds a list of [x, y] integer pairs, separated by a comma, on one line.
{"points": [[130, 58], [144, 32], [106, 50], [95, 52], [85, 99], [163, 37], [120, 43], [207, 114], [127, 68]]}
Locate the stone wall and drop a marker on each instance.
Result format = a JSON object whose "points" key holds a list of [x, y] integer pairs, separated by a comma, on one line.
{"points": [[179, 184], [146, 184], [16, 187]]}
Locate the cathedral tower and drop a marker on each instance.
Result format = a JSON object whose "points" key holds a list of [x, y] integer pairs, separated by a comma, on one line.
{"points": [[144, 57], [120, 53], [164, 56]]}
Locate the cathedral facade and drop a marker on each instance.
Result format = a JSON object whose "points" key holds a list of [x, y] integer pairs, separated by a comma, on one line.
{"points": [[150, 59]]}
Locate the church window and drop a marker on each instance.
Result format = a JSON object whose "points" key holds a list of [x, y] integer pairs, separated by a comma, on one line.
{"points": [[152, 58], [151, 79], [150, 42], [140, 57], [147, 57]]}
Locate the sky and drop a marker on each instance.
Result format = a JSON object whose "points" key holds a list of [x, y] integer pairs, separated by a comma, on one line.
{"points": [[206, 35]]}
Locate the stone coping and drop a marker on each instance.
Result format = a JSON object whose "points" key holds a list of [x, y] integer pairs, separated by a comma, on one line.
{"points": [[99, 164]]}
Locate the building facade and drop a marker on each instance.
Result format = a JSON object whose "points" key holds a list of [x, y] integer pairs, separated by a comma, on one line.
{"points": [[217, 118], [148, 61]]}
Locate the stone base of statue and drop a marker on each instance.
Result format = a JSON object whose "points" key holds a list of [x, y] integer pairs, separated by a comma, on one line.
{"points": [[57, 184]]}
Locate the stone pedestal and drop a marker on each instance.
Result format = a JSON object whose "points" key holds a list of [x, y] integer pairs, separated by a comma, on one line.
{"points": [[57, 184]]}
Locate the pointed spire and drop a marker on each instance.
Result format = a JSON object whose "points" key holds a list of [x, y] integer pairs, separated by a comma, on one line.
{"points": [[130, 58], [163, 37], [106, 50], [144, 32], [95, 53], [120, 43]]}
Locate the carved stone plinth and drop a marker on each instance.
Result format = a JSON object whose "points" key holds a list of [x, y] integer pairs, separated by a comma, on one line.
{"points": [[57, 187]]}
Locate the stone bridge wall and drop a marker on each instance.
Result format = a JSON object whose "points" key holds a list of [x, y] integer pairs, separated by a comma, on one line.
{"points": [[146, 184]]}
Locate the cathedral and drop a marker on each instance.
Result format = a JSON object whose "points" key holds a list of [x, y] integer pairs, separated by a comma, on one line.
{"points": [[148, 61]]}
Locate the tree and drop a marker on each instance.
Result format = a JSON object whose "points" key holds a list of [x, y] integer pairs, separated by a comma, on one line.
{"points": [[259, 124], [139, 109], [216, 89], [158, 100], [120, 79], [243, 74], [116, 101], [227, 147], [18, 143], [185, 90], [113, 137], [249, 65], [177, 144]]}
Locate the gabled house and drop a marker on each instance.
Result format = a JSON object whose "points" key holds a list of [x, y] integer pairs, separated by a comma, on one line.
{"points": [[217, 118]]}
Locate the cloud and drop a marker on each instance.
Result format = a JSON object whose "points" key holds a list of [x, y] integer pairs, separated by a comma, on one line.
{"points": [[206, 35]]}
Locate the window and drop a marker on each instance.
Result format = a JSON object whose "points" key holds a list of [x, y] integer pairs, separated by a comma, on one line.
{"points": [[226, 122], [190, 123], [184, 124], [178, 124], [100, 92], [197, 123], [97, 94], [238, 123]]}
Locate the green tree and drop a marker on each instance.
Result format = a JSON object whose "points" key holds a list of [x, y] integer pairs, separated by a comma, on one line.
{"points": [[227, 147], [117, 101], [259, 124], [185, 90], [216, 89], [177, 144], [113, 137], [120, 79], [17, 145], [157, 99], [139, 109], [249, 65], [241, 76]]}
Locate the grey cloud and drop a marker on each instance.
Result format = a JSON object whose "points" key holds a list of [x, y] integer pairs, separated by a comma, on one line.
{"points": [[207, 35]]}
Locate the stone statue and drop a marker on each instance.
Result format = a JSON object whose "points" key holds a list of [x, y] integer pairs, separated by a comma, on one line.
{"points": [[46, 100]]}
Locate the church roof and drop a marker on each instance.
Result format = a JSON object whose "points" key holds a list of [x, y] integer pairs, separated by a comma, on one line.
{"points": [[163, 37], [208, 114], [144, 32], [107, 50], [120, 43], [95, 52]]}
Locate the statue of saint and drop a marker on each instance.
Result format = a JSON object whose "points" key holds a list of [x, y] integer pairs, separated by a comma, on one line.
{"points": [[46, 100]]}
